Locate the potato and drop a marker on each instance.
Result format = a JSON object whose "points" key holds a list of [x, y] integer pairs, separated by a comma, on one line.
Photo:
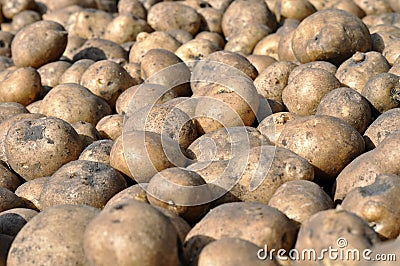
{"points": [[14, 7], [6, 40], [272, 126], [374, 7], [74, 73], [256, 176], [82, 182], [363, 170], [38, 147], [391, 51], [10, 109], [21, 85], [110, 126], [376, 204], [357, 70], [73, 103], [107, 80], [38, 44], [12, 221], [132, 7], [331, 68], [98, 151], [135, 192], [60, 4], [88, 23], [386, 124], [268, 46], [211, 19], [271, 82], [166, 120], [5, 244], [329, 35], [115, 224], [54, 236], [8, 179], [260, 62], [330, 152], [224, 143], [181, 191], [240, 14], [196, 49], [87, 132], [395, 69], [285, 48], [163, 67], [8, 200], [100, 49], [229, 251], [295, 9], [139, 96], [50, 73], [74, 44], [147, 41], [244, 40], [30, 192], [277, 231], [383, 91], [24, 18], [169, 15], [125, 28], [300, 199], [303, 94], [181, 36], [349, 6], [337, 229], [348, 105], [62, 14]]}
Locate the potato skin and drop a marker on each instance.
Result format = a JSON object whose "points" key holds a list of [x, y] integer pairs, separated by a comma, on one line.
{"points": [[98, 151], [30, 192], [271, 126], [8, 179], [38, 44], [329, 35]]}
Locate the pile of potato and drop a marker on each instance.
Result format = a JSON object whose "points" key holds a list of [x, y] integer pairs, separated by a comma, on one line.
{"points": [[199, 132]]}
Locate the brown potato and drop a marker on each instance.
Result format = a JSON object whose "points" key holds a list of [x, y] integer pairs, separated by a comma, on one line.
{"points": [[54, 236], [98, 151], [51, 73], [303, 94], [12, 221], [132, 7], [87, 132], [38, 44], [260, 62], [115, 224], [125, 28], [73, 103], [328, 155], [181, 36], [135, 192], [14, 7], [196, 49], [62, 14], [377, 204], [8, 179], [271, 127], [88, 23], [74, 73], [349, 6], [295, 9], [22, 85], [374, 7], [245, 39], [8, 200], [331, 68], [300, 199], [211, 19], [38, 147], [357, 70], [329, 35], [348, 105], [285, 47], [81, 182], [110, 127], [100, 49], [30, 192], [9, 109], [268, 46], [24, 18]]}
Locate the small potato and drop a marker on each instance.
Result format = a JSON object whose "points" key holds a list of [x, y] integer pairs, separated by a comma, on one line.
{"points": [[258, 223], [329, 35], [125, 28], [171, 15], [132, 7], [386, 124], [331, 68], [30, 192], [228, 251], [244, 40], [377, 204], [8, 200], [147, 41], [12, 221], [181, 36], [87, 132], [337, 229], [328, 155], [74, 73], [272, 126], [13, 7], [135, 192], [82, 182], [9, 109], [285, 47], [196, 49], [134, 71], [357, 70], [8, 179], [181, 191], [295, 9], [303, 94], [107, 80], [73, 103], [98, 151], [62, 14], [54, 236], [261, 62], [24, 18], [38, 147], [100, 49], [300, 199], [211, 19], [22, 85], [349, 6], [50, 73], [374, 7], [383, 91], [38, 44], [115, 224], [110, 127], [348, 105], [88, 23], [5, 41], [268, 46], [271, 82]]}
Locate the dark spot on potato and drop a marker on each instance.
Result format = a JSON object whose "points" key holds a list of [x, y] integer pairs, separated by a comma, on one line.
{"points": [[119, 206], [376, 188], [284, 143], [117, 221], [34, 133]]}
